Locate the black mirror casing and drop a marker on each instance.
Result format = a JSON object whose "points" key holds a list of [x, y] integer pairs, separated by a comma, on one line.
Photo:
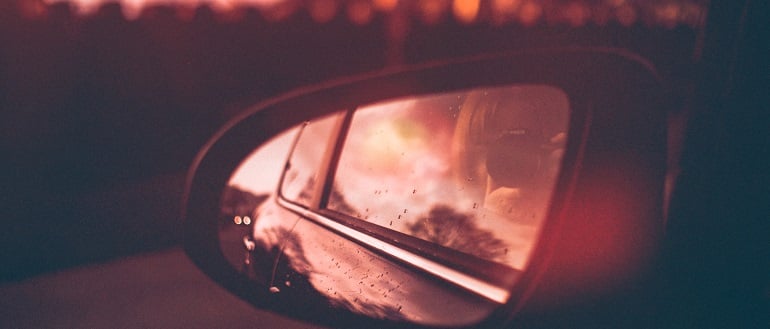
{"points": [[606, 215]]}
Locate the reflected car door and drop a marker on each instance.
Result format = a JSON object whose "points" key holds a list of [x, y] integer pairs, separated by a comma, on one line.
{"points": [[316, 258]]}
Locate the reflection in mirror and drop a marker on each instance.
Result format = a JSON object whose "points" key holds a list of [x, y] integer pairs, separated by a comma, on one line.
{"points": [[457, 184], [303, 169], [471, 171], [249, 186]]}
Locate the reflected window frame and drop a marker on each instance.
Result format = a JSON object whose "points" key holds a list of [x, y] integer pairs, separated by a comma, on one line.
{"points": [[320, 171]]}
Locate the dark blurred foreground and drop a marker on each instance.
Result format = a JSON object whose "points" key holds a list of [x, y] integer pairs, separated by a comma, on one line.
{"points": [[156, 290], [100, 116]]}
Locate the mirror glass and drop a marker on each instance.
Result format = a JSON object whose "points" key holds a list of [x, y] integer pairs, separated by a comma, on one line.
{"points": [[421, 209], [250, 185], [461, 170]]}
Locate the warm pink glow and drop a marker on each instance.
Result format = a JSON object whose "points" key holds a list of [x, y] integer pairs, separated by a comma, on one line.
{"points": [[360, 12], [431, 11], [260, 172], [322, 11], [668, 14], [577, 14], [385, 5], [132, 8], [530, 13]]}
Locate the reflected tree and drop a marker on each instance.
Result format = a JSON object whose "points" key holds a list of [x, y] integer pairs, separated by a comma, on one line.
{"points": [[338, 202], [445, 226]]}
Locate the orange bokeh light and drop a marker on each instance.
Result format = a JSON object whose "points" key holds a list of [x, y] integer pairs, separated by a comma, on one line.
{"points": [[466, 11]]}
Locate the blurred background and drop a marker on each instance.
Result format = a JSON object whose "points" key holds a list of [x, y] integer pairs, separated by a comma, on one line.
{"points": [[103, 105]]}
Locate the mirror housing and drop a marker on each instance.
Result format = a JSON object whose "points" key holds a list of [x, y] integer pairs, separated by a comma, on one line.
{"points": [[606, 215]]}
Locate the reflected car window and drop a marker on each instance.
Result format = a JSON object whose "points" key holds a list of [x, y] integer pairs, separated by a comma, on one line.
{"points": [[456, 169], [302, 169]]}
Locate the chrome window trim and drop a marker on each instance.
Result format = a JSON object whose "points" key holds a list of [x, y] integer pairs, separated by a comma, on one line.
{"points": [[485, 289]]}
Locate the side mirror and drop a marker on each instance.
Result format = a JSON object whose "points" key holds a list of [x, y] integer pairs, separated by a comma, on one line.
{"points": [[398, 199]]}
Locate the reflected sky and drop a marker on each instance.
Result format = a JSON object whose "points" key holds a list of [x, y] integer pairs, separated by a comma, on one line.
{"points": [[302, 171], [259, 173], [403, 162], [399, 160]]}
